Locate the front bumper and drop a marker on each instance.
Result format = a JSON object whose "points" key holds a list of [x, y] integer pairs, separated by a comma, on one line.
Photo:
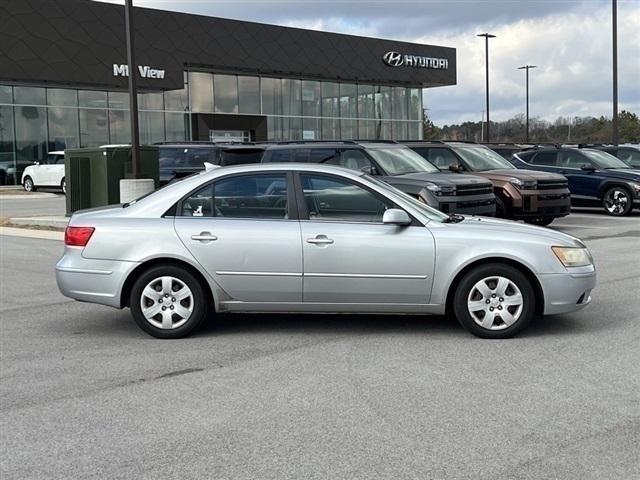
{"points": [[484, 204], [541, 203], [567, 292], [89, 280]]}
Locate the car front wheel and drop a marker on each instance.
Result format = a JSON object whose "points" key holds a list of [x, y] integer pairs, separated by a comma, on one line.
{"points": [[617, 201], [63, 185], [494, 301], [168, 302], [28, 185]]}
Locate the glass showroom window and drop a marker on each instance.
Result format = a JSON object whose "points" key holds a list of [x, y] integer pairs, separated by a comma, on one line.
{"points": [[366, 102], [271, 96], [176, 126], [414, 131], [7, 162], [399, 107], [92, 99], [64, 131], [292, 128], [150, 101], [151, 127], [291, 97], [225, 93], [119, 100], [201, 92], [348, 128], [6, 94], [415, 104], [94, 130], [382, 99], [31, 135], [330, 99], [310, 128], [310, 98], [348, 101], [330, 129], [248, 94], [119, 127], [177, 100], [29, 96], [62, 97], [367, 129]]}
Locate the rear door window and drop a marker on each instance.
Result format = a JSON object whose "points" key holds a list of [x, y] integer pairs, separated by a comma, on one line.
{"points": [[572, 159], [545, 159]]}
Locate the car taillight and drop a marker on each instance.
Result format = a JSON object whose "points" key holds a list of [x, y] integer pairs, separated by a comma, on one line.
{"points": [[77, 236]]}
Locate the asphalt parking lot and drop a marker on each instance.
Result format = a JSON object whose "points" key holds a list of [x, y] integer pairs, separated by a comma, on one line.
{"points": [[85, 394]]}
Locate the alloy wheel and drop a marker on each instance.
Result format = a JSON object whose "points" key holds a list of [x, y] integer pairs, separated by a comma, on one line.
{"points": [[495, 303], [28, 185], [616, 201], [167, 302]]}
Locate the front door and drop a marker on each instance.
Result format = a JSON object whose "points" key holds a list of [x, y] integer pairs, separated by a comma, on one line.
{"points": [[242, 231], [350, 257], [583, 184]]}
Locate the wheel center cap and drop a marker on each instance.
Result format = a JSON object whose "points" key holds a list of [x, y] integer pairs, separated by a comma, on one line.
{"points": [[495, 302]]}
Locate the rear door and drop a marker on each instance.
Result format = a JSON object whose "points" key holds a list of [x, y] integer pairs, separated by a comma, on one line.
{"points": [[244, 230], [350, 257]]}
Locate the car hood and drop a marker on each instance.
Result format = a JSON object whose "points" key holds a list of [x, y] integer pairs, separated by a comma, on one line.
{"points": [[623, 173], [524, 175], [419, 179], [507, 228]]}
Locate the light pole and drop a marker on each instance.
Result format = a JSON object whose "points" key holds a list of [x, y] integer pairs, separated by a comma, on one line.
{"points": [[487, 36], [527, 68], [133, 88], [614, 21]]}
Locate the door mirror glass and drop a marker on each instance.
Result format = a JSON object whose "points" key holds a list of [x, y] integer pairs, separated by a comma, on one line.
{"points": [[369, 170], [587, 168], [455, 167], [395, 216]]}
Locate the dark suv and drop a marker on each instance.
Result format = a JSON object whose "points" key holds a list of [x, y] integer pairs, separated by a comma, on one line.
{"points": [[399, 166], [178, 160], [596, 178], [506, 149], [629, 154], [532, 196]]}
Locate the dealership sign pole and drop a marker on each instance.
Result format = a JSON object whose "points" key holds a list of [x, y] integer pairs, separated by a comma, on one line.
{"points": [[133, 90], [614, 21]]}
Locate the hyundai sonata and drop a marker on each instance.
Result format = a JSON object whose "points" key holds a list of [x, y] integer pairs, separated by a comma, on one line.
{"points": [[314, 238]]}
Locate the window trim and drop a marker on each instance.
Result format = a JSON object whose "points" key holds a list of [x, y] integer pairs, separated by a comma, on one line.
{"points": [[304, 213], [537, 154], [292, 204]]}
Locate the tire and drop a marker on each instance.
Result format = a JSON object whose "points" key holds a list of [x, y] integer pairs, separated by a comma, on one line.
{"points": [[188, 312], [501, 208], [28, 184], [474, 320], [540, 221], [63, 185], [617, 201]]}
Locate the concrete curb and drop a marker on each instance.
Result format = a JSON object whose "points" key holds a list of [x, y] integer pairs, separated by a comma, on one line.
{"points": [[26, 196], [27, 233], [47, 222]]}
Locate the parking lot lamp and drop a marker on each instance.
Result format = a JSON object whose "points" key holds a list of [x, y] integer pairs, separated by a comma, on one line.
{"points": [[527, 68], [487, 36]]}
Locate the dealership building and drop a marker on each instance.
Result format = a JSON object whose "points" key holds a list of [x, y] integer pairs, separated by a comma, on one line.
{"points": [[63, 80]]}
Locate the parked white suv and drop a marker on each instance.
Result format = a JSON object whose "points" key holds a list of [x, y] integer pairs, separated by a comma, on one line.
{"points": [[49, 173]]}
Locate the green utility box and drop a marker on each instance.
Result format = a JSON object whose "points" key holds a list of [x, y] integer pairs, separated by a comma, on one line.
{"points": [[93, 174]]}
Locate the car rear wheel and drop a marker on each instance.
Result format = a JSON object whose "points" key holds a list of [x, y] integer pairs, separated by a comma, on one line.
{"points": [[168, 302], [63, 185], [494, 301], [541, 221], [29, 185], [617, 201]]}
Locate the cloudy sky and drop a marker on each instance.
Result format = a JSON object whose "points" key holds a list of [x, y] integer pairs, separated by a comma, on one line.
{"points": [[569, 41]]}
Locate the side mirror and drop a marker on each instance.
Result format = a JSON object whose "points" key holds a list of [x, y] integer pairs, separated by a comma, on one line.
{"points": [[36, 163], [395, 216], [588, 168], [369, 170], [454, 167]]}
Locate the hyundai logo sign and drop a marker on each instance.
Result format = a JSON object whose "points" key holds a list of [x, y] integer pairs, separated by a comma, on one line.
{"points": [[396, 59]]}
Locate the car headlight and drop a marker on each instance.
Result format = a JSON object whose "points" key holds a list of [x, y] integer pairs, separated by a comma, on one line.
{"points": [[439, 190], [523, 184], [573, 256]]}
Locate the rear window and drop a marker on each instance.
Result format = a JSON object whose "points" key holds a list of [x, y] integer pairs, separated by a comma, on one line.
{"points": [[187, 157], [240, 157]]}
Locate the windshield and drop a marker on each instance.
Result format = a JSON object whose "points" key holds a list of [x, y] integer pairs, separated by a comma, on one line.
{"points": [[400, 160], [604, 160], [479, 158], [186, 157], [430, 213]]}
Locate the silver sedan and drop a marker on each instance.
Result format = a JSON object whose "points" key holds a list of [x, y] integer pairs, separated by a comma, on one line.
{"points": [[315, 238]]}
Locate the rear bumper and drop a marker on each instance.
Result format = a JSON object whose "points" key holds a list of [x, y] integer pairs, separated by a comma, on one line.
{"points": [[567, 292], [88, 280]]}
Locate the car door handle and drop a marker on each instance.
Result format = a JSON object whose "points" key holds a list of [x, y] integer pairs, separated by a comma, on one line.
{"points": [[204, 237], [320, 240]]}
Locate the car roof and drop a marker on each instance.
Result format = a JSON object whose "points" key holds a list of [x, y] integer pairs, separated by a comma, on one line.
{"points": [[355, 144], [57, 152]]}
